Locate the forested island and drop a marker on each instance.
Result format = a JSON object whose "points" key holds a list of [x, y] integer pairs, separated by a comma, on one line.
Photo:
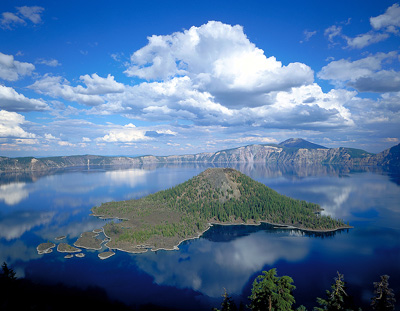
{"points": [[216, 196]]}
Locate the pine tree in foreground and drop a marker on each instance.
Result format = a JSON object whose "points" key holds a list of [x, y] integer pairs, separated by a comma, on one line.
{"points": [[336, 297], [227, 304], [384, 297], [272, 293]]}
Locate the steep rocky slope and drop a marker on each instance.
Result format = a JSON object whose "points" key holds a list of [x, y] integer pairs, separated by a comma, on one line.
{"points": [[290, 152]]}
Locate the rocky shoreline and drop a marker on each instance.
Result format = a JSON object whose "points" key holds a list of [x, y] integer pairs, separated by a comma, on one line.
{"points": [[87, 240], [137, 249]]}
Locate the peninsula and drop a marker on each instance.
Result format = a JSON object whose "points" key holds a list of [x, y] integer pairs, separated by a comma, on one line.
{"points": [[216, 196]]}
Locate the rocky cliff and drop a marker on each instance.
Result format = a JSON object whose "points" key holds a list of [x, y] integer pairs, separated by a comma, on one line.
{"points": [[290, 152]]}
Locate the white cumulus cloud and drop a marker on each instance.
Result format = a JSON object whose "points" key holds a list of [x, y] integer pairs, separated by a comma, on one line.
{"points": [[219, 59], [125, 134], [96, 85], [363, 40], [13, 101], [90, 94], [366, 74], [10, 125], [390, 20], [12, 70]]}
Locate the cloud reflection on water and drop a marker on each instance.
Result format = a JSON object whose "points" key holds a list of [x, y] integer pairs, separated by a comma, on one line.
{"points": [[13, 193], [233, 262], [359, 198], [14, 225], [131, 177], [17, 251], [59, 204]]}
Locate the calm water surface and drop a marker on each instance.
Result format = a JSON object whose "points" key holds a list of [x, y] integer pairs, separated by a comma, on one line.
{"points": [[38, 208]]}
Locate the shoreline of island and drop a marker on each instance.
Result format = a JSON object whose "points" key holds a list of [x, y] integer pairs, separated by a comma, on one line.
{"points": [[217, 196], [143, 248], [210, 224], [140, 249]]}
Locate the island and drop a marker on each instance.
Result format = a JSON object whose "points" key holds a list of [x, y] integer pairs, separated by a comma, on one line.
{"points": [[65, 248], [216, 196], [105, 255], [45, 248], [89, 240]]}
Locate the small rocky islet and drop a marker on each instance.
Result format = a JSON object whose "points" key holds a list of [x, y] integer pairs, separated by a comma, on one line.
{"points": [[105, 255], [87, 240], [45, 248], [66, 248]]}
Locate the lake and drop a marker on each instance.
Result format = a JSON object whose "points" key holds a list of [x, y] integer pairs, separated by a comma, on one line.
{"points": [[38, 207]]}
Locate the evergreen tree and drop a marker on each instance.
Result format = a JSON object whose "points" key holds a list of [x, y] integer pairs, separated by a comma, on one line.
{"points": [[384, 297], [7, 273], [271, 292], [227, 304], [336, 297]]}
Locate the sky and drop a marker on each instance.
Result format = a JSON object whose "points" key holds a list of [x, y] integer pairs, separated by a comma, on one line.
{"points": [[183, 77]]}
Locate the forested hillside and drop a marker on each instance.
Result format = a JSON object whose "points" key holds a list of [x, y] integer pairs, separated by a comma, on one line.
{"points": [[163, 219]]}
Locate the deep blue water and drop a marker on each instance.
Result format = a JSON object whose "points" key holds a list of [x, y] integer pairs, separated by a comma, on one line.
{"points": [[38, 208]]}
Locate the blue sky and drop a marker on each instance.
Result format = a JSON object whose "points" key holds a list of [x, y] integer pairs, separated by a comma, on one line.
{"points": [[178, 77]]}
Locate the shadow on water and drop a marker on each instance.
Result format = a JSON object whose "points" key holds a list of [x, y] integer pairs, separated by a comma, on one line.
{"points": [[227, 233]]}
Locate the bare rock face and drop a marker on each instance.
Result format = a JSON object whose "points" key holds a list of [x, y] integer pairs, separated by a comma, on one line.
{"points": [[221, 179], [290, 152], [389, 157]]}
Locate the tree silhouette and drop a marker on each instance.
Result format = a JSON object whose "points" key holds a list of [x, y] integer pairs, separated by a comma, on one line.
{"points": [[7, 273], [384, 297]]}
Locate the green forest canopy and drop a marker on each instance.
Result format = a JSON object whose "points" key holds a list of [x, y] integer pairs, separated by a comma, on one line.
{"points": [[218, 195]]}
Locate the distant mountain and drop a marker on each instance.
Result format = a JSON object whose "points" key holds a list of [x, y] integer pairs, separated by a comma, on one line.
{"points": [[389, 157], [289, 152], [300, 143]]}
